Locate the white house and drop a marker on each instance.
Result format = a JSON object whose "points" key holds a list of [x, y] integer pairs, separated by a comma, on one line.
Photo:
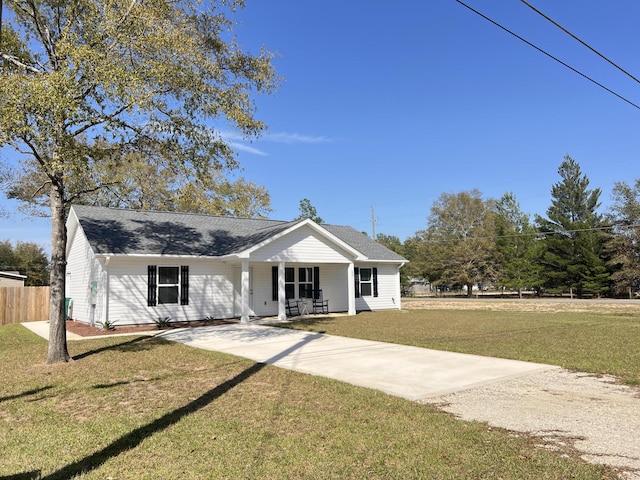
{"points": [[134, 267]]}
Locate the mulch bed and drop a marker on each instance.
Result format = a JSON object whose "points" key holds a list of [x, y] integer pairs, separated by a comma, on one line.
{"points": [[85, 330]]}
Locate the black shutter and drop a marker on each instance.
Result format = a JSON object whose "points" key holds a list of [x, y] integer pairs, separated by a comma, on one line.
{"points": [[316, 283], [375, 282], [152, 285], [274, 284], [356, 277], [184, 285]]}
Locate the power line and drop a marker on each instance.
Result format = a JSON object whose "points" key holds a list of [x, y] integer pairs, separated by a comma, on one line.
{"points": [[579, 40], [548, 54], [539, 233]]}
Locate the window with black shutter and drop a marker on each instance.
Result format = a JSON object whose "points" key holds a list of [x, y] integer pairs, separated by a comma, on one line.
{"points": [[274, 284], [167, 285], [184, 285], [151, 285], [366, 280]]}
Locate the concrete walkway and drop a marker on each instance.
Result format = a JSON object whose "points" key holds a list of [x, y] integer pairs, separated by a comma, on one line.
{"points": [[409, 372]]}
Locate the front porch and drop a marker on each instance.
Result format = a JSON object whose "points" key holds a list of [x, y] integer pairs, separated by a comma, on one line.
{"points": [[262, 289]]}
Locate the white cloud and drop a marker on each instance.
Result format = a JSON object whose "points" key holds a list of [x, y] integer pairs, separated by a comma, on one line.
{"points": [[241, 147], [236, 140], [285, 137]]}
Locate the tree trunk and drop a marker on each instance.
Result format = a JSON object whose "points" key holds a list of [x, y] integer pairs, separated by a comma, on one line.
{"points": [[57, 322]]}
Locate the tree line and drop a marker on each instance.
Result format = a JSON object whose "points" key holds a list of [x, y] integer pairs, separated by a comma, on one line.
{"points": [[26, 258], [473, 242]]}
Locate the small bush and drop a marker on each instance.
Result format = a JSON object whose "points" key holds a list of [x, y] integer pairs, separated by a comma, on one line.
{"points": [[108, 325], [163, 322], [209, 319]]}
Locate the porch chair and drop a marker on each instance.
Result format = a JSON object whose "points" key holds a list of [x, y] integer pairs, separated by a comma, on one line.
{"points": [[320, 305], [292, 309]]}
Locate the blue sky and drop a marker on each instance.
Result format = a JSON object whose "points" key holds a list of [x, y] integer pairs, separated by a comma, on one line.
{"points": [[387, 105]]}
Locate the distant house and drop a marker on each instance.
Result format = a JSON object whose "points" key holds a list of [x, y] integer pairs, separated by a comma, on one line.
{"points": [[133, 267], [12, 279]]}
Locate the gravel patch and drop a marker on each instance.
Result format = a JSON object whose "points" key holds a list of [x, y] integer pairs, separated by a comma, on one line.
{"points": [[595, 416]]}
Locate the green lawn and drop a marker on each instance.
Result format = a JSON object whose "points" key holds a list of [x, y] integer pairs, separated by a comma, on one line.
{"points": [[585, 341], [143, 408]]}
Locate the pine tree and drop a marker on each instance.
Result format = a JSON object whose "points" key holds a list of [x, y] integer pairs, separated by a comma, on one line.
{"points": [[572, 254], [516, 244]]}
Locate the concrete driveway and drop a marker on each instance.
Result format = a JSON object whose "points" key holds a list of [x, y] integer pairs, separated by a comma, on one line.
{"points": [[409, 372]]}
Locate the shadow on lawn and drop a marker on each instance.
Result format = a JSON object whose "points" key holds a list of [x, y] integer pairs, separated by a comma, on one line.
{"points": [[303, 323], [135, 345], [137, 436], [26, 393], [34, 475]]}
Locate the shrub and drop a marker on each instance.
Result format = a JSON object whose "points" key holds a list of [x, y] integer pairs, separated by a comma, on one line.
{"points": [[163, 322], [108, 324]]}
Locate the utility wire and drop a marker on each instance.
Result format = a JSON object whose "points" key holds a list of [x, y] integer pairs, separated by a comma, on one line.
{"points": [[579, 40], [544, 233], [548, 54]]}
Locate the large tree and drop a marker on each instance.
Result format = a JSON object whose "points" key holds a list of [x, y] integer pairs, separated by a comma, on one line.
{"points": [[516, 245], [573, 255], [86, 82], [142, 180], [458, 245], [624, 246]]}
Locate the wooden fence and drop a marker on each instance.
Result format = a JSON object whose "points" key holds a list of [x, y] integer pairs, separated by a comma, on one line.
{"points": [[23, 304]]}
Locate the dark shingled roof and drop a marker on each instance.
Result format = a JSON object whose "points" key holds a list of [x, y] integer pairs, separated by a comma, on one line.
{"points": [[119, 231]]}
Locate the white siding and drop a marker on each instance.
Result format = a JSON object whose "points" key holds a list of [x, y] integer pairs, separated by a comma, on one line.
{"points": [[210, 291], [82, 270], [302, 245], [388, 289]]}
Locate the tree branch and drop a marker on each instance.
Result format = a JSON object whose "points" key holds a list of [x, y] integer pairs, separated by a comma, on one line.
{"points": [[91, 190], [40, 188], [16, 61], [100, 120]]}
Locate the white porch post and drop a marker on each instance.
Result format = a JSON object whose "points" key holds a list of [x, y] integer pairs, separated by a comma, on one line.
{"points": [[351, 289], [106, 289], [282, 308], [244, 318]]}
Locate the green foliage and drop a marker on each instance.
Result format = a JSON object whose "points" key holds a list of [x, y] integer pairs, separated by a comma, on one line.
{"points": [[624, 246], [108, 324], [516, 246], [573, 253], [27, 258], [308, 211], [163, 322], [457, 246], [209, 319]]}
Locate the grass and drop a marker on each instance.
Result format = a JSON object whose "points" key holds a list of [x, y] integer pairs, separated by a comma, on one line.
{"points": [[144, 408], [603, 343]]}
